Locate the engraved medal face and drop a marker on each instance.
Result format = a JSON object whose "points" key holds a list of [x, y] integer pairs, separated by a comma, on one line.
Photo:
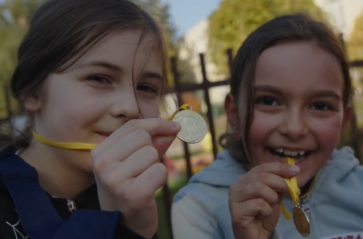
{"points": [[193, 126], [301, 221]]}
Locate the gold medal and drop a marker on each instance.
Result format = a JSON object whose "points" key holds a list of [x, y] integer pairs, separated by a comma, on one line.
{"points": [[301, 221], [193, 126]]}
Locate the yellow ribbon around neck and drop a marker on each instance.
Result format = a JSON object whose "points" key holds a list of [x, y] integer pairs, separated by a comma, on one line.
{"points": [[293, 190], [87, 146], [64, 145]]}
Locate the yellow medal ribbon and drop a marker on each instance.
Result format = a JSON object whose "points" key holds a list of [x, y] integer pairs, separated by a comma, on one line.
{"points": [[293, 190], [64, 145], [87, 146], [183, 107]]}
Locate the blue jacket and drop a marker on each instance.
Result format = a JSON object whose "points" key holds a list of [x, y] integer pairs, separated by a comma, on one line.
{"points": [[27, 211], [334, 206]]}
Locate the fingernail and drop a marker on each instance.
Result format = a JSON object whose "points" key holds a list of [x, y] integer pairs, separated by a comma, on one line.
{"points": [[175, 125], [294, 169]]}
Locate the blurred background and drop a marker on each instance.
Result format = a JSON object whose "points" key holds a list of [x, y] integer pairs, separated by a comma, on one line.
{"points": [[202, 37]]}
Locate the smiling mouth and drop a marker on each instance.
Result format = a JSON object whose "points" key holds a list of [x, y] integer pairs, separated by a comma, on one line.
{"points": [[297, 155]]}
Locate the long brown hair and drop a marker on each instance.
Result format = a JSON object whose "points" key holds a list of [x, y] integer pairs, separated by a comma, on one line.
{"points": [[62, 30], [296, 27]]}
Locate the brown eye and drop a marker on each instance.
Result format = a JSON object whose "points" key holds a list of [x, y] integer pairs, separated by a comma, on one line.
{"points": [[321, 106], [147, 88], [266, 101], [99, 79]]}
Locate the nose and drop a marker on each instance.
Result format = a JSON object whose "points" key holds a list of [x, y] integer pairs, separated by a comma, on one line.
{"points": [[294, 126], [125, 105]]}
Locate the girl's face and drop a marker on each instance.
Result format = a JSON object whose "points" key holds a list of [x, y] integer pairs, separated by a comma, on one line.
{"points": [[298, 107], [97, 95]]}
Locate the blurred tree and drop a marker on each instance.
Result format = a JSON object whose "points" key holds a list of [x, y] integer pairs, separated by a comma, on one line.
{"points": [[355, 48], [14, 19], [234, 20], [355, 41]]}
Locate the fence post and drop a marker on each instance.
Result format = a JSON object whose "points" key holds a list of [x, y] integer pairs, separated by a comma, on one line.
{"points": [[209, 106], [167, 205], [230, 60], [177, 88]]}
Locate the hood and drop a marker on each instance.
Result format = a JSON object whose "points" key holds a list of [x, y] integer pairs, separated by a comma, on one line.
{"points": [[343, 159], [223, 172]]}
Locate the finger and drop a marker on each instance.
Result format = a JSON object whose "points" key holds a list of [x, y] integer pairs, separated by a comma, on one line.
{"points": [[162, 143], [276, 182], [281, 169], [151, 179], [130, 168], [244, 212], [255, 190], [121, 149], [154, 126], [138, 162]]}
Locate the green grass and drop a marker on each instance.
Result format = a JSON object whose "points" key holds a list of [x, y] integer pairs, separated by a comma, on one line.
{"points": [[174, 186]]}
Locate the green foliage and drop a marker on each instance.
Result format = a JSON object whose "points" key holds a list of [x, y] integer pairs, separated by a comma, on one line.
{"points": [[355, 42], [14, 19], [234, 20]]}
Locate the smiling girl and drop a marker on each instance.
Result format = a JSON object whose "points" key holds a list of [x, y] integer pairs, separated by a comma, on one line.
{"points": [[290, 94], [90, 74]]}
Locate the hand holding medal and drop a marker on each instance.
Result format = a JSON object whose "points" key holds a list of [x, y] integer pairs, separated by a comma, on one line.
{"points": [[301, 220]]}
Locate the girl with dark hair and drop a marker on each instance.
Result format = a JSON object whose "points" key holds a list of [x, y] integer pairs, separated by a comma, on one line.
{"points": [[91, 74], [290, 95]]}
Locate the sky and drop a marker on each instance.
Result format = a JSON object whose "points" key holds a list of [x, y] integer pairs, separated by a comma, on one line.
{"points": [[187, 13]]}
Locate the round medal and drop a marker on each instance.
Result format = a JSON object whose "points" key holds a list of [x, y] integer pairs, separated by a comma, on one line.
{"points": [[301, 221], [193, 126]]}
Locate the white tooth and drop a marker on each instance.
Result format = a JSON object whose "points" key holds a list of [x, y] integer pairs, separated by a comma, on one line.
{"points": [[280, 150], [302, 152], [294, 153], [287, 152]]}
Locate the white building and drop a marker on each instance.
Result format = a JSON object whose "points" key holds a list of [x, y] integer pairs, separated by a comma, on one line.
{"points": [[194, 42], [342, 13]]}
